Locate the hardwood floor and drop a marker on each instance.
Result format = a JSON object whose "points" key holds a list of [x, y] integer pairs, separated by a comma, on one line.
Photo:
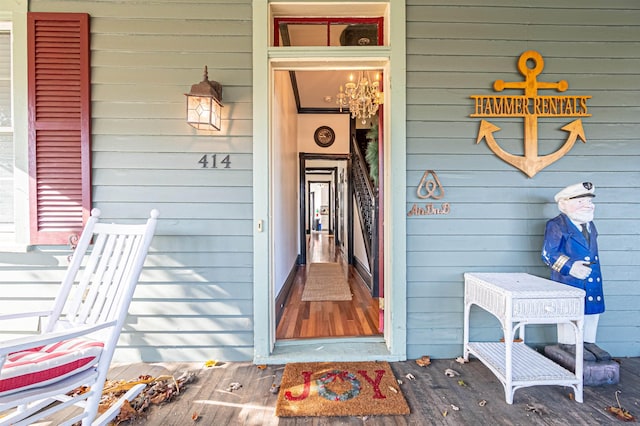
{"points": [[358, 317]]}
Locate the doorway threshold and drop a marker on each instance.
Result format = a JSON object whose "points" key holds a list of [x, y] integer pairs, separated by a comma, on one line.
{"points": [[330, 349]]}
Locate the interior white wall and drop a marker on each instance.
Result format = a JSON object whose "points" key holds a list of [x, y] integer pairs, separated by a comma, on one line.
{"points": [[284, 180], [307, 125]]}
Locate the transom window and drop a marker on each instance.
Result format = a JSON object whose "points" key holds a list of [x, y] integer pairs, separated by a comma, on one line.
{"points": [[299, 31]]}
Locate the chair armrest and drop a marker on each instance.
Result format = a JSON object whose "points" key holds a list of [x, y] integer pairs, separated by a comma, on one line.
{"points": [[4, 317], [33, 341]]}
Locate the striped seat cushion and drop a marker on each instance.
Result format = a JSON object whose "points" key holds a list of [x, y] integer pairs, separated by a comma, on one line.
{"points": [[47, 364]]}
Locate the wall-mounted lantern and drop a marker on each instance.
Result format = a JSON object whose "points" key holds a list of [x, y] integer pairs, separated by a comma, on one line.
{"points": [[204, 105]]}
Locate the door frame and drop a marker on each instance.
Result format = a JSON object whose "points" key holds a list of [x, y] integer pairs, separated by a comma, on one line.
{"points": [[392, 59], [332, 197], [304, 157]]}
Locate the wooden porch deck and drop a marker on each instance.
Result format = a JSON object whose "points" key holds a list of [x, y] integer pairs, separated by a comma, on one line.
{"points": [[429, 395]]}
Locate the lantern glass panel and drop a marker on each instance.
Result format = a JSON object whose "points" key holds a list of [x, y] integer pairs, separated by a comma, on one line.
{"points": [[203, 112]]}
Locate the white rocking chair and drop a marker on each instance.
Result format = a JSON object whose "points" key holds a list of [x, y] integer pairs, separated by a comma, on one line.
{"points": [[80, 332]]}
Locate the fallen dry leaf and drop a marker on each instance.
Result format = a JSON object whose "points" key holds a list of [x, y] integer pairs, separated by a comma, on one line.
{"points": [[462, 383], [79, 391], [262, 366], [195, 417], [127, 412], [410, 376], [482, 403], [210, 363], [444, 413], [621, 413], [122, 386], [423, 361], [455, 407], [461, 360], [160, 398]]}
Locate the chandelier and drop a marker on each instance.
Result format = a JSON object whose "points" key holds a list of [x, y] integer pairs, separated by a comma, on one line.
{"points": [[362, 98]]}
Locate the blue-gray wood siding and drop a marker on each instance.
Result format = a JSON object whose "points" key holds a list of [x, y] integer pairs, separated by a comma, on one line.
{"points": [[459, 48], [195, 298]]}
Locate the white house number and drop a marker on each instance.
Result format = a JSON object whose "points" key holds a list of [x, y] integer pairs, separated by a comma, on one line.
{"points": [[210, 161]]}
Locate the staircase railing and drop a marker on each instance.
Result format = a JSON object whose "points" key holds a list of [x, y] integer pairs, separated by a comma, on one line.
{"points": [[367, 205]]}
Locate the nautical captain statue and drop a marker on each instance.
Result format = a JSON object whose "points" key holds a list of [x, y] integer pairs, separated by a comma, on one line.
{"points": [[571, 251]]}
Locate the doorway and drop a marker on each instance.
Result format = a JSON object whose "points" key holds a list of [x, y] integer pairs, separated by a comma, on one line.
{"points": [[320, 194], [319, 169], [393, 345]]}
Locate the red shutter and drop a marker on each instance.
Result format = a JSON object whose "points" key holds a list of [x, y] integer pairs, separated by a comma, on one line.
{"points": [[59, 125]]}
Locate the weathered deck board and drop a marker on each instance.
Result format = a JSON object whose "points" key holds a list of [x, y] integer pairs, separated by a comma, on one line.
{"points": [[429, 395]]}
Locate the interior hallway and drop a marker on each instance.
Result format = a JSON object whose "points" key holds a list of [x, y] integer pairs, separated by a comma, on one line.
{"points": [[358, 317]]}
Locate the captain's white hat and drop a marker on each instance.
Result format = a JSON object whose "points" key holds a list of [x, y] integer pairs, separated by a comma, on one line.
{"points": [[577, 190]]}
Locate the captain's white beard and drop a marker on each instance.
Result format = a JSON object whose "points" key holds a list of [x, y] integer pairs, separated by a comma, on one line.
{"points": [[581, 216]]}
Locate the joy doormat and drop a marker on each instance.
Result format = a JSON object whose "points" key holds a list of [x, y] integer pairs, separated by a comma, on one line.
{"points": [[339, 389]]}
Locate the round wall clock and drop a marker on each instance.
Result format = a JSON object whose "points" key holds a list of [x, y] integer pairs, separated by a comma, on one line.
{"points": [[324, 136]]}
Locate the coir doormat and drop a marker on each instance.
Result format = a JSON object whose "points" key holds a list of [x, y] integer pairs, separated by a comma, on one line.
{"points": [[326, 281], [339, 389]]}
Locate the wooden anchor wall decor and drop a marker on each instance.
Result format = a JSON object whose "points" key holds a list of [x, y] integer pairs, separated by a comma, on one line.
{"points": [[530, 106]]}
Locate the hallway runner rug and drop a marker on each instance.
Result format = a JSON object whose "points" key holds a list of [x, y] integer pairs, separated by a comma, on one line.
{"points": [[326, 282], [339, 389]]}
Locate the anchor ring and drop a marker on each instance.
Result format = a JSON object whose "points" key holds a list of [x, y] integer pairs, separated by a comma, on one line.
{"points": [[523, 65]]}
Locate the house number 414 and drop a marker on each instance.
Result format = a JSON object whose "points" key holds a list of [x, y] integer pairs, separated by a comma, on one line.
{"points": [[210, 161]]}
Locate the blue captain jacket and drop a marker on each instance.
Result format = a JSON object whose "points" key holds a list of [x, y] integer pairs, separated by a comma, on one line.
{"points": [[565, 244]]}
